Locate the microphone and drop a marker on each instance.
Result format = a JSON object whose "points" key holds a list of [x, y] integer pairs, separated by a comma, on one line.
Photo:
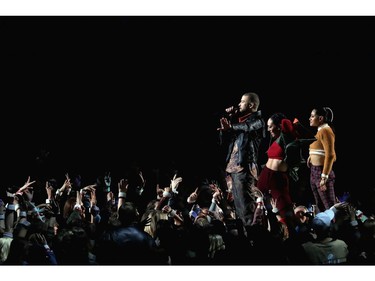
{"points": [[229, 111], [234, 109]]}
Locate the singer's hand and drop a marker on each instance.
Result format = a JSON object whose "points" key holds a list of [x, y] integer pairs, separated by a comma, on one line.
{"points": [[225, 124], [232, 110]]}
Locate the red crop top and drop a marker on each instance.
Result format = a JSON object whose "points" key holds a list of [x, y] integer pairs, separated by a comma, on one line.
{"points": [[275, 151]]}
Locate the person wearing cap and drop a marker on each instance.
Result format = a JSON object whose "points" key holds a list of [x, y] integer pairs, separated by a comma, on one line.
{"points": [[325, 249], [322, 155], [303, 220]]}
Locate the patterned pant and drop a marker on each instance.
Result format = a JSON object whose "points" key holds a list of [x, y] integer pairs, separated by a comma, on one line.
{"points": [[323, 199]]}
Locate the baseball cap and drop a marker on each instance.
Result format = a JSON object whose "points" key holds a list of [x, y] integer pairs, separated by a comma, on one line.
{"points": [[323, 220]]}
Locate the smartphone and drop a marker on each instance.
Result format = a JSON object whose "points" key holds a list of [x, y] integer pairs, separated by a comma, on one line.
{"points": [[359, 214], [195, 210]]}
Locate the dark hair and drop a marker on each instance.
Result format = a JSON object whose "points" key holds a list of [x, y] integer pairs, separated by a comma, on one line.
{"points": [[277, 117], [326, 112], [127, 213]]}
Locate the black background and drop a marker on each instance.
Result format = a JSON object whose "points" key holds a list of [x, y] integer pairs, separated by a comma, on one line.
{"points": [[101, 92]]}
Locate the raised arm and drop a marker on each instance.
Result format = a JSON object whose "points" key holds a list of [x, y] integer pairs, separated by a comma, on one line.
{"points": [[122, 185]]}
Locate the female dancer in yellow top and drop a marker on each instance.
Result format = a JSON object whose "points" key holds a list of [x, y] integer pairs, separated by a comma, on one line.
{"points": [[322, 155]]}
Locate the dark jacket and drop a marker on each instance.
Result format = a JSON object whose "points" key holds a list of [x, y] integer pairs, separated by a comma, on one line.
{"points": [[127, 246], [249, 135]]}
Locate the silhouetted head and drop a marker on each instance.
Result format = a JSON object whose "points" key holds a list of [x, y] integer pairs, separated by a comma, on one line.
{"points": [[128, 214]]}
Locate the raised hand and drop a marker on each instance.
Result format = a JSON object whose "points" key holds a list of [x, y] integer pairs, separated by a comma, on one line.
{"points": [[26, 186], [142, 178], [175, 182], [224, 124], [218, 194], [143, 223], [141, 187], [273, 203], [90, 188], [38, 239], [93, 198], [110, 196], [67, 185], [193, 196], [108, 180], [123, 185], [49, 189]]}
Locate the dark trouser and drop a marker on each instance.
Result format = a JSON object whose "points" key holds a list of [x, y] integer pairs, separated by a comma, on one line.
{"points": [[323, 199], [243, 202], [276, 183]]}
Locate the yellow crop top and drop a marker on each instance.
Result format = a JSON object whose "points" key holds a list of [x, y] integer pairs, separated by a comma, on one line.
{"points": [[325, 146]]}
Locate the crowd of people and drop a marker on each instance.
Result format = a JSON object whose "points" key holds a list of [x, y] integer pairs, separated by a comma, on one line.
{"points": [[247, 214]]}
